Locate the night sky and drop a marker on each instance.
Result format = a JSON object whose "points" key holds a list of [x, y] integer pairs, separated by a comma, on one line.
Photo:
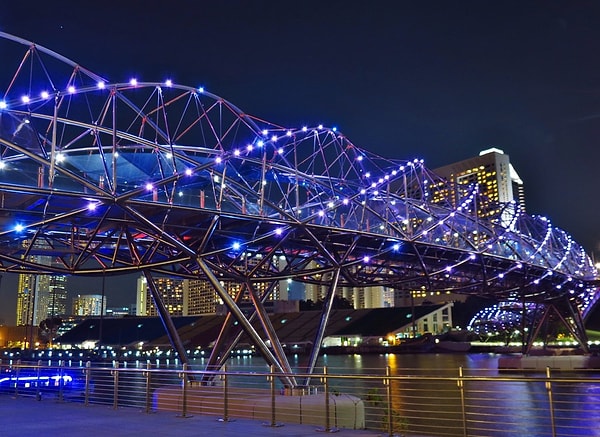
{"points": [[438, 80]]}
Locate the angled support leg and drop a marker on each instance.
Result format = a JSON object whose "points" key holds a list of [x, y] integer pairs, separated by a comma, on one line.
{"points": [[316, 347], [165, 317]]}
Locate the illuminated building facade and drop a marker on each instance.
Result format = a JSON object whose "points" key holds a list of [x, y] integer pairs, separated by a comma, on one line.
{"points": [[171, 291], [89, 305], [189, 297], [490, 174], [40, 296]]}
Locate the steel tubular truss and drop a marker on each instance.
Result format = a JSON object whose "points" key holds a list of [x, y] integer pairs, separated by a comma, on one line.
{"points": [[112, 178]]}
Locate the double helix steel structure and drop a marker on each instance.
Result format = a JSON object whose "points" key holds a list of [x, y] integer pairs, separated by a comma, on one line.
{"points": [[112, 178]]}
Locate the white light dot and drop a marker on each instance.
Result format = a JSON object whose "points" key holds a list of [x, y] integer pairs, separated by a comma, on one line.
{"points": [[201, 89], [133, 82], [289, 133], [169, 82], [71, 89], [44, 95], [236, 152], [320, 126], [188, 171], [149, 187], [274, 138], [265, 132], [25, 99], [304, 129], [3, 104], [101, 85]]}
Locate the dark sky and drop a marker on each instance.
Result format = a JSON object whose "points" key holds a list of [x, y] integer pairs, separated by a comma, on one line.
{"points": [[438, 80]]}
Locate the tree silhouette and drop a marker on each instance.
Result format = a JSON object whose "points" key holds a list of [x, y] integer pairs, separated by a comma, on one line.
{"points": [[49, 328]]}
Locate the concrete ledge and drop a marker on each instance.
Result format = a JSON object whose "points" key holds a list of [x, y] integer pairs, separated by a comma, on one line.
{"points": [[345, 411], [539, 363]]}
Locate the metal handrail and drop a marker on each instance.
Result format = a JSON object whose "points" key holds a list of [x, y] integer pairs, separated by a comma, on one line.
{"points": [[459, 405]]}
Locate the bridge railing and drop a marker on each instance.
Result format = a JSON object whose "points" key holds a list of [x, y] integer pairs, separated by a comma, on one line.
{"points": [[405, 402]]}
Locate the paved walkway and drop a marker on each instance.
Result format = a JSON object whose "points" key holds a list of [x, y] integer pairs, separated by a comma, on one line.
{"points": [[28, 417]]}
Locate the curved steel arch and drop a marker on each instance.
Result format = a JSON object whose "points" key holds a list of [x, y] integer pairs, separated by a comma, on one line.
{"points": [[114, 178]]}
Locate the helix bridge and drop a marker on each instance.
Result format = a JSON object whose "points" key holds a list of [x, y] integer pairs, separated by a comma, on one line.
{"points": [[163, 179]]}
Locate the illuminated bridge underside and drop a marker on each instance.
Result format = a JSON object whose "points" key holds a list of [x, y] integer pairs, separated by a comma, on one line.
{"points": [[114, 178]]}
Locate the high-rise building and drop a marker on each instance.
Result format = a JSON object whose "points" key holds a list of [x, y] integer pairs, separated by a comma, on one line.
{"points": [[40, 296], [89, 305], [171, 291], [190, 297], [490, 175]]}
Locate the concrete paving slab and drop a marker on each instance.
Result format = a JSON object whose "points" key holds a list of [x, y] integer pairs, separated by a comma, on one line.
{"points": [[24, 416]]}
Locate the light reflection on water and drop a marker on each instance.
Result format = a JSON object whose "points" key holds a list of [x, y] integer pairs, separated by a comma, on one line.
{"points": [[435, 406]]}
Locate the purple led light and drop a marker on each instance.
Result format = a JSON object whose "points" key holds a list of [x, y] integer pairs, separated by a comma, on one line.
{"points": [[149, 187], [71, 89]]}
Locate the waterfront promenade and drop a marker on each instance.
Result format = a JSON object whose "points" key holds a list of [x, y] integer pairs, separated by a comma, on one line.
{"points": [[27, 416]]}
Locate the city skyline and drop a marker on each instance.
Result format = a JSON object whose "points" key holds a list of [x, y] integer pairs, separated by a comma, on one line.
{"points": [[527, 86]]}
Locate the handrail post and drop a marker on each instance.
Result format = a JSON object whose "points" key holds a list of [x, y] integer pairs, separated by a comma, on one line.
{"points": [[225, 417], [17, 369], [183, 376], [461, 386], [61, 376], [550, 400], [38, 388], [271, 379], [147, 374], [115, 373], [88, 378], [326, 389], [388, 390]]}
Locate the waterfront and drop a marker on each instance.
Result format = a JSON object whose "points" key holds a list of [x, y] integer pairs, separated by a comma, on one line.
{"points": [[425, 394]]}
